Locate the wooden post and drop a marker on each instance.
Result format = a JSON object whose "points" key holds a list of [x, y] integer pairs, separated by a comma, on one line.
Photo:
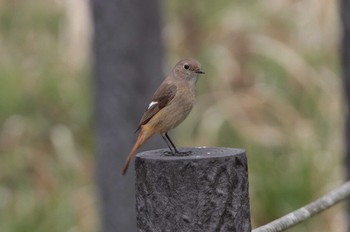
{"points": [[207, 191]]}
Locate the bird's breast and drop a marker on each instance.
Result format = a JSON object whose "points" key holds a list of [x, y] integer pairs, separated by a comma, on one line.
{"points": [[176, 111]]}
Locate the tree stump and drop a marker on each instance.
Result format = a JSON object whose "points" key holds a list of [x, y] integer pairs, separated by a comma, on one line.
{"points": [[206, 191]]}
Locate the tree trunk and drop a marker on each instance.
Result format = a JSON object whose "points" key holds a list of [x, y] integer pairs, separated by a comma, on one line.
{"points": [[127, 56]]}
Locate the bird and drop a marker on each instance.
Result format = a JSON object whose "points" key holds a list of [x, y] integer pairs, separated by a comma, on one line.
{"points": [[169, 106]]}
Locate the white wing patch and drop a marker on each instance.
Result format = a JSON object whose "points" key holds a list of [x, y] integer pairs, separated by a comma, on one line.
{"points": [[151, 104]]}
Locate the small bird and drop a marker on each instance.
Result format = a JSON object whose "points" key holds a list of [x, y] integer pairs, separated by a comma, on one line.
{"points": [[170, 105]]}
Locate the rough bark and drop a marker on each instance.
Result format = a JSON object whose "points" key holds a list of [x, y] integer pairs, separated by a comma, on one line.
{"points": [[207, 191], [127, 56]]}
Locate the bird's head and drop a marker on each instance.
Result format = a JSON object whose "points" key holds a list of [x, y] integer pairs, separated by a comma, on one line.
{"points": [[187, 69]]}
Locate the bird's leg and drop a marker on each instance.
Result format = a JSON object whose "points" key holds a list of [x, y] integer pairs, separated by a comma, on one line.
{"points": [[172, 151], [177, 153]]}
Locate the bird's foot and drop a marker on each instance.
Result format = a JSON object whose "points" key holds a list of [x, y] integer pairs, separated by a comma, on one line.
{"points": [[168, 153], [177, 153], [183, 153]]}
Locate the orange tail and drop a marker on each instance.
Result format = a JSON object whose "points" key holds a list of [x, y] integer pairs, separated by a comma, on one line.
{"points": [[141, 139]]}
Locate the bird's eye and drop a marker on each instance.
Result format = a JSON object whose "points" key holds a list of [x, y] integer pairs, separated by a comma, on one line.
{"points": [[186, 66]]}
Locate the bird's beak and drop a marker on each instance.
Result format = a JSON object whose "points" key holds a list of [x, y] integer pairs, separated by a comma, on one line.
{"points": [[199, 71]]}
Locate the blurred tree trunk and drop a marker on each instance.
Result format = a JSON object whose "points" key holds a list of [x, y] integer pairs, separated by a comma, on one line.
{"points": [[345, 13], [127, 56]]}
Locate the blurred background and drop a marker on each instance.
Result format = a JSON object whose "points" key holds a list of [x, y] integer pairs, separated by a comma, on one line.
{"points": [[273, 86]]}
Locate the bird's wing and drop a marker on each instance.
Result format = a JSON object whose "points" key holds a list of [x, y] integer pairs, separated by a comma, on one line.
{"points": [[164, 94]]}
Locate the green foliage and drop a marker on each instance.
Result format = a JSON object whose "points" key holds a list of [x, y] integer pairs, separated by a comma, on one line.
{"points": [[45, 146]]}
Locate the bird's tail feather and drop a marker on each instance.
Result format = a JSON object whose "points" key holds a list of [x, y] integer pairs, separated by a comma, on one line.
{"points": [[141, 139]]}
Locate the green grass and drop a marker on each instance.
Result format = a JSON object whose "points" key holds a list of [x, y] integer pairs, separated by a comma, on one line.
{"points": [[45, 143]]}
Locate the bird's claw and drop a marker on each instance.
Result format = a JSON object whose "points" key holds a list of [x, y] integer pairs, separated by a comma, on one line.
{"points": [[183, 153], [177, 153], [168, 153]]}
